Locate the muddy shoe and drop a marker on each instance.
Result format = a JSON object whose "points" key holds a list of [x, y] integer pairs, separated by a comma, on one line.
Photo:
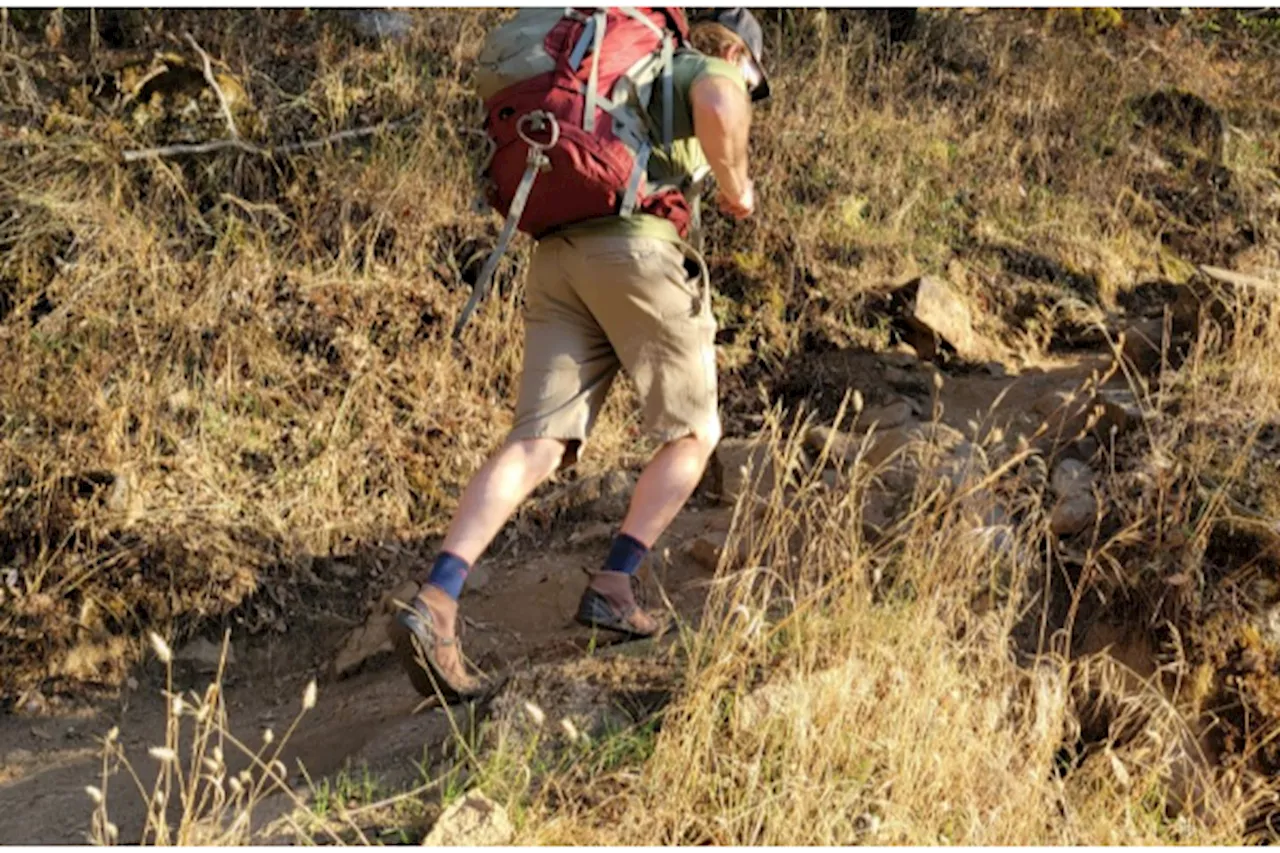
{"points": [[433, 663], [609, 603]]}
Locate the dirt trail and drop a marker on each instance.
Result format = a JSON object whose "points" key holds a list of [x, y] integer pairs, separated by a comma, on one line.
{"points": [[521, 614]]}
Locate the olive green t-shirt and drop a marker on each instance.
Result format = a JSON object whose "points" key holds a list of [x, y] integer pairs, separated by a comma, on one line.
{"points": [[686, 154]]}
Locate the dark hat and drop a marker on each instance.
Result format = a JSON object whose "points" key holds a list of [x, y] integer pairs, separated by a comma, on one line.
{"points": [[745, 26]]}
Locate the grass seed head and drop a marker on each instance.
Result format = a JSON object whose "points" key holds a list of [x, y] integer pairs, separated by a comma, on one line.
{"points": [[161, 648], [309, 696]]}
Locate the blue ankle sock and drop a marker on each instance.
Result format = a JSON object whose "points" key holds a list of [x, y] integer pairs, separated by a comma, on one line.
{"points": [[448, 573], [626, 555]]}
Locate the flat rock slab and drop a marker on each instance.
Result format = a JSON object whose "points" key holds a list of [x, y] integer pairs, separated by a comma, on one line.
{"points": [[372, 638]]}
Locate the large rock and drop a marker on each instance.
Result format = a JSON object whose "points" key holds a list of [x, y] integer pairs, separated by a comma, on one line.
{"points": [[1120, 410], [887, 417], [203, 655], [841, 446], [902, 440], [882, 444], [1076, 509], [898, 456], [472, 820], [1071, 477], [371, 639], [844, 446], [751, 468], [937, 309], [1144, 345], [878, 511], [1073, 514], [707, 548], [603, 496]]}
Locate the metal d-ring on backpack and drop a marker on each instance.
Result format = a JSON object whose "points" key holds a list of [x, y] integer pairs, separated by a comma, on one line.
{"points": [[544, 76]]}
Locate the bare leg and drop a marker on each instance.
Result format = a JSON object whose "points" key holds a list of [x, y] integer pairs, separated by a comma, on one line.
{"points": [[666, 484], [488, 501], [664, 487], [496, 490]]}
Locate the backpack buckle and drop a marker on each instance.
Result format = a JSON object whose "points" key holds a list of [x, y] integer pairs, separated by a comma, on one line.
{"points": [[538, 121]]}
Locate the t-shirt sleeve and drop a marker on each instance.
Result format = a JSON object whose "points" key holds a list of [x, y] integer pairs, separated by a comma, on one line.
{"points": [[713, 66], [688, 68]]}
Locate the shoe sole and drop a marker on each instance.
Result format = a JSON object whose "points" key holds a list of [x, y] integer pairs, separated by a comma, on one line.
{"points": [[411, 648], [594, 612]]}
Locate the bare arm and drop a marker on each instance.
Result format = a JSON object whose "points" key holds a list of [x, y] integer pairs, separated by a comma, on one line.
{"points": [[722, 123]]}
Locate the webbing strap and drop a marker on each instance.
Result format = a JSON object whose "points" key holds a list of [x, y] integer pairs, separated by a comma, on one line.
{"points": [[584, 40], [518, 202], [593, 86], [639, 110], [633, 12], [668, 93], [638, 172], [693, 192]]}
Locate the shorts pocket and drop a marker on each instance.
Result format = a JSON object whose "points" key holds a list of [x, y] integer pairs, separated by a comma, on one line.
{"points": [[681, 298]]}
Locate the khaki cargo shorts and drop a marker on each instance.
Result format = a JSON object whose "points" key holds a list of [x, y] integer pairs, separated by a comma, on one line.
{"points": [[594, 304]]}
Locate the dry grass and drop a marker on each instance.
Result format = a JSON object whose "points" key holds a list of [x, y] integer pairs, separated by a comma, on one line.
{"points": [[843, 693], [218, 369], [221, 367]]}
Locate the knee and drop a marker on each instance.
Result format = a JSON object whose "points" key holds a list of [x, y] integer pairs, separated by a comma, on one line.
{"points": [[707, 437]]}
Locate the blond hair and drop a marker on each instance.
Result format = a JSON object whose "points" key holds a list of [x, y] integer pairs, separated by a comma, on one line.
{"points": [[713, 39]]}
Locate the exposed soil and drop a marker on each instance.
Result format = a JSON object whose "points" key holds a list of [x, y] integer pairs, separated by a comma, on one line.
{"points": [[522, 615]]}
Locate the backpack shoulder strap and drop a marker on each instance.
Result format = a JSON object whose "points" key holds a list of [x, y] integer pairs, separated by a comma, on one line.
{"points": [[668, 53]]}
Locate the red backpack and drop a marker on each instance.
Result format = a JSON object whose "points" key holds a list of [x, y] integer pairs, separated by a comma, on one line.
{"points": [[567, 96]]}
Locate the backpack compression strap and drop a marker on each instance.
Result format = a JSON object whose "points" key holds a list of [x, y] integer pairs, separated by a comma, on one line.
{"points": [[593, 33], [537, 161]]}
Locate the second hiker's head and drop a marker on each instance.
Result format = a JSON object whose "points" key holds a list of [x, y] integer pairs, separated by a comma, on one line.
{"points": [[734, 35]]}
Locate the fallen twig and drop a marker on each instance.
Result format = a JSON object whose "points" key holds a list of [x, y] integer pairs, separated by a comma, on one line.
{"points": [[250, 148], [213, 83], [192, 148]]}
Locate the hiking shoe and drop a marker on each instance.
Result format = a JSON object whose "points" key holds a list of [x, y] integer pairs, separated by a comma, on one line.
{"points": [[609, 603], [419, 648]]}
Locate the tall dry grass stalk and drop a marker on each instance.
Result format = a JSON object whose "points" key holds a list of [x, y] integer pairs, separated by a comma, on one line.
{"points": [[198, 797]]}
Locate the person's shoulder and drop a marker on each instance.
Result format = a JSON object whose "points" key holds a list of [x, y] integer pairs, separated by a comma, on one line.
{"points": [[693, 66]]}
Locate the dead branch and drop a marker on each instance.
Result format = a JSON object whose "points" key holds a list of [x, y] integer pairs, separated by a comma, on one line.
{"points": [[213, 83], [249, 148], [192, 148]]}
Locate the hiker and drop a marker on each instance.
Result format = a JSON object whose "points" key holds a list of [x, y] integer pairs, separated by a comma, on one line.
{"points": [[621, 289]]}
